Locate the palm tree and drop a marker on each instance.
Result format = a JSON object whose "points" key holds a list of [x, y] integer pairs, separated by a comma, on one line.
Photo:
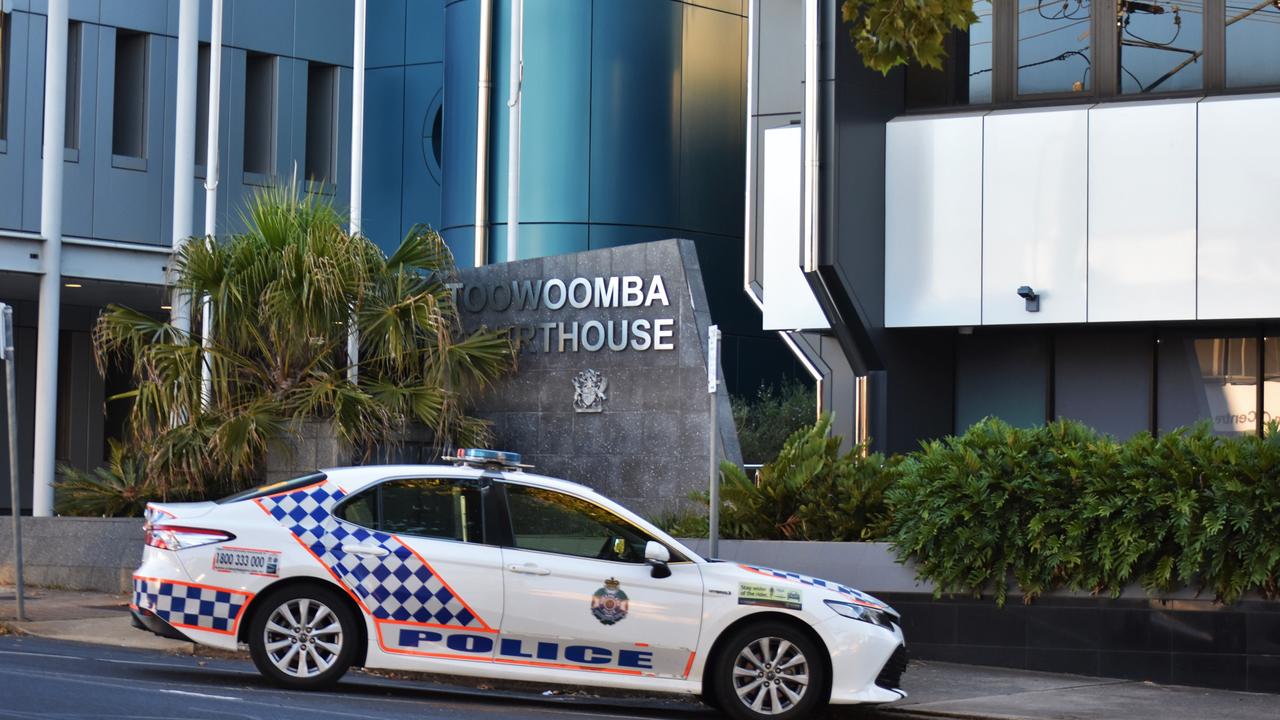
{"points": [[283, 295]]}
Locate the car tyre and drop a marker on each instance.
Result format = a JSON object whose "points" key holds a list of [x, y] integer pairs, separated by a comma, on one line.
{"points": [[769, 670], [303, 638]]}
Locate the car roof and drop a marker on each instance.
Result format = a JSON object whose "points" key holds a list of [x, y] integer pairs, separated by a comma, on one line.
{"points": [[374, 472]]}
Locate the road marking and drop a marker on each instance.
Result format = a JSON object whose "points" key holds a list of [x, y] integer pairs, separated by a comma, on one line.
{"points": [[117, 661], [200, 695], [48, 655]]}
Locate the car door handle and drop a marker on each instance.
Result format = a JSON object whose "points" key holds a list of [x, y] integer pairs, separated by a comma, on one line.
{"points": [[529, 569], [373, 550]]}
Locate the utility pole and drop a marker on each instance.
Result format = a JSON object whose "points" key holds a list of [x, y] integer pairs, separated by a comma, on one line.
{"points": [[15, 494], [713, 386], [211, 161], [357, 173]]}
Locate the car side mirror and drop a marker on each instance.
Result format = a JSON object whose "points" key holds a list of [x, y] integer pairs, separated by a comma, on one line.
{"points": [[657, 556]]}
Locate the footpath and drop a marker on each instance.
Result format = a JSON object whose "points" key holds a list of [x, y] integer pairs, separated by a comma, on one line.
{"points": [[937, 690]]}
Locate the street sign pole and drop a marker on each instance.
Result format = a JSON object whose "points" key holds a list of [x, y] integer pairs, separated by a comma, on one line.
{"points": [[713, 385], [11, 404]]}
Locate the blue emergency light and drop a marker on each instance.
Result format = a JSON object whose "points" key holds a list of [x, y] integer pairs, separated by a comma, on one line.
{"points": [[484, 458]]}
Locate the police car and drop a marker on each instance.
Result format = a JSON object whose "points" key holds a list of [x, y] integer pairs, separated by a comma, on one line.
{"points": [[483, 569]]}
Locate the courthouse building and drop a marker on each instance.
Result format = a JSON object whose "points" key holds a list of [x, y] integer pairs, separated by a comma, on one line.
{"points": [[633, 116]]}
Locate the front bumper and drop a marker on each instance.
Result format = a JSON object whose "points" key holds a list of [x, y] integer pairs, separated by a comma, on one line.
{"points": [[867, 661]]}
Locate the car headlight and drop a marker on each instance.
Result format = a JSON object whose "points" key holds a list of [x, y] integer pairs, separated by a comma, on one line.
{"points": [[861, 612]]}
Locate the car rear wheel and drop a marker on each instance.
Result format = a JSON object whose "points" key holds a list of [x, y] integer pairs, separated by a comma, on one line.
{"points": [[303, 638], [769, 670]]}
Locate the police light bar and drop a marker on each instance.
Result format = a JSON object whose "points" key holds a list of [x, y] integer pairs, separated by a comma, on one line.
{"points": [[482, 457]]}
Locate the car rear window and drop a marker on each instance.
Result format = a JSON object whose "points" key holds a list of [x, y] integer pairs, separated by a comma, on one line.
{"points": [[273, 488]]}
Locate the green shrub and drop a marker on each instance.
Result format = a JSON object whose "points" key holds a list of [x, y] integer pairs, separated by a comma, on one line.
{"points": [[766, 419], [122, 488], [1062, 506], [809, 492]]}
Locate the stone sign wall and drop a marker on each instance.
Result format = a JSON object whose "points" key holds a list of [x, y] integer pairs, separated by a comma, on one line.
{"points": [[611, 389]]}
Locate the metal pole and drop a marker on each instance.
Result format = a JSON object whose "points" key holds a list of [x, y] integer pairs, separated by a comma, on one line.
{"points": [[483, 89], [357, 173], [15, 495], [55, 104], [513, 130], [211, 159], [713, 384], [184, 145]]}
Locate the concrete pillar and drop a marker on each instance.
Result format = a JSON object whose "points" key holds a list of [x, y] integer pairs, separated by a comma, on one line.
{"points": [[55, 105]]}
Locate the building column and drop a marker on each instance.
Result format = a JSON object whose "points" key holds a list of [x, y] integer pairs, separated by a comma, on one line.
{"points": [[55, 107], [184, 145]]}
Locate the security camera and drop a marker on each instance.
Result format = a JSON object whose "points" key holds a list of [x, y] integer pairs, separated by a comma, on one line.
{"points": [[1033, 299]]}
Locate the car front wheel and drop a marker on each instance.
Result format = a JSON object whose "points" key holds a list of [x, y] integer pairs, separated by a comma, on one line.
{"points": [[769, 670], [303, 638]]}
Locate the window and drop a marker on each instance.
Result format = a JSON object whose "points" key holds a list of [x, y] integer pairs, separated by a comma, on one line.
{"points": [[322, 111], [4, 75], [202, 105], [422, 507], [1104, 380], [1208, 378], [1253, 44], [1004, 375], [273, 488], [1054, 46], [432, 508], [1270, 380], [549, 521], [1065, 49], [979, 64], [129, 110], [260, 114], [71, 133], [1160, 47]]}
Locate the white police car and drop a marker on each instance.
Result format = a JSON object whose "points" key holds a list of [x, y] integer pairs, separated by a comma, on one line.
{"points": [[482, 569]]}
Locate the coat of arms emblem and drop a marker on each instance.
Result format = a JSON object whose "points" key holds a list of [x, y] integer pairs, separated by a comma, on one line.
{"points": [[588, 391], [609, 604]]}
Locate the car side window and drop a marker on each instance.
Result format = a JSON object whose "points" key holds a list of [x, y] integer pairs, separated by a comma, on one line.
{"points": [[361, 509], [432, 508], [550, 521], [422, 507]]}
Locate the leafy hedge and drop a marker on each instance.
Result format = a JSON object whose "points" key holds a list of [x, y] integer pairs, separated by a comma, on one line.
{"points": [[1052, 507], [1062, 506]]}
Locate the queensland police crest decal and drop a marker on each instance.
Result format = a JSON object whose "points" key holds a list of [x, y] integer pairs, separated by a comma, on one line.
{"points": [[609, 604]]}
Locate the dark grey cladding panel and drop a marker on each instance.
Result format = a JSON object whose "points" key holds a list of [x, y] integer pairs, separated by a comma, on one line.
{"points": [[648, 443]]}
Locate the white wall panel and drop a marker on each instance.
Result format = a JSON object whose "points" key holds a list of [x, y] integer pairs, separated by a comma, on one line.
{"points": [[1239, 248], [1142, 211], [789, 304], [933, 221], [1035, 215]]}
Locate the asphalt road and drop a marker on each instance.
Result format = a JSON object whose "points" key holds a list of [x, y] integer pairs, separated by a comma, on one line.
{"points": [[64, 680]]}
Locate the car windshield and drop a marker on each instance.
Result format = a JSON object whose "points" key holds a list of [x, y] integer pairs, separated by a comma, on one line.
{"points": [[273, 488]]}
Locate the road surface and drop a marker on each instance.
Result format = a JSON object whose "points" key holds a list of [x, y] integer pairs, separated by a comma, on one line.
{"points": [[61, 680]]}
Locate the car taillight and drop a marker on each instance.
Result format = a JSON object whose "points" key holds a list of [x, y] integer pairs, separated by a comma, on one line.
{"points": [[177, 537]]}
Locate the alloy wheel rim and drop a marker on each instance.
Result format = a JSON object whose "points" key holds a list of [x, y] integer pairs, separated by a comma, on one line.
{"points": [[770, 675], [303, 637]]}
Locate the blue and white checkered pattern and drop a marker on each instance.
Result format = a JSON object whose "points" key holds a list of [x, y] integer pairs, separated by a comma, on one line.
{"points": [[189, 605], [397, 586], [857, 595]]}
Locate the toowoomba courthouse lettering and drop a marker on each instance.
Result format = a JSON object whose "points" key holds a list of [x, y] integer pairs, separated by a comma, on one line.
{"points": [[577, 297]]}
